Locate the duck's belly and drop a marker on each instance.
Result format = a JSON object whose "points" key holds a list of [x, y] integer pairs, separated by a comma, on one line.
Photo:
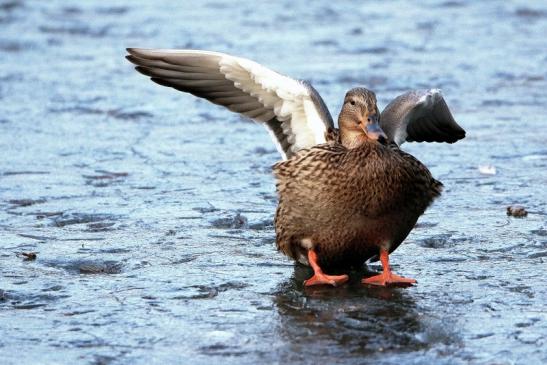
{"points": [[354, 242]]}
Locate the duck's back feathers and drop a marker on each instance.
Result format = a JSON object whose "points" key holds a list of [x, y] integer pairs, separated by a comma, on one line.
{"points": [[420, 116], [293, 111]]}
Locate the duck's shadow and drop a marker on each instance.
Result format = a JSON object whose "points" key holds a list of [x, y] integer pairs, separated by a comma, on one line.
{"points": [[352, 318]]}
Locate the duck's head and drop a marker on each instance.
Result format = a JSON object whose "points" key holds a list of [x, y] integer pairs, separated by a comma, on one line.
{"points": [[359, 119]]}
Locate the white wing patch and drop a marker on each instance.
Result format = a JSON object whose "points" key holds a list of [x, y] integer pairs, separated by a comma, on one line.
{"points": [[289, 99]]}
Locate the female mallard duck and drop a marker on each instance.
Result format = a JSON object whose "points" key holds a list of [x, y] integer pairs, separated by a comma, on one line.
{"points": [[345, 195]]}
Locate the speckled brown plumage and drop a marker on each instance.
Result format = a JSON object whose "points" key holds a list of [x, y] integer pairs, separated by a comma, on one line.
{"points": [[348, 203]]}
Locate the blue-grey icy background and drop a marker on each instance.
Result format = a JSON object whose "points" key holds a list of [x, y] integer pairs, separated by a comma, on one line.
{"points": [[151, 211]]}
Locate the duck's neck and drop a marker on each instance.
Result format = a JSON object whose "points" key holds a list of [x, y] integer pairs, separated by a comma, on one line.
{"points": [[352, 139]]}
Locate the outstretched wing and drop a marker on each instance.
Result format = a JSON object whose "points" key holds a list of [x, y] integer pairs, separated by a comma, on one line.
{"points": [[291, 110], [420, 116]]}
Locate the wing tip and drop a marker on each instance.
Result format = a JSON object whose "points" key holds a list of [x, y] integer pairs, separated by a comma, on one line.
{"points": [[436, 95], [143, 70], [136, 61], [430, 96], [459, 135], [137, 52], [160, 81], [132, 50]]}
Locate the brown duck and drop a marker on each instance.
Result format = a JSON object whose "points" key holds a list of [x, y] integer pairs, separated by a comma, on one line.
{"points": [[345, 195]]}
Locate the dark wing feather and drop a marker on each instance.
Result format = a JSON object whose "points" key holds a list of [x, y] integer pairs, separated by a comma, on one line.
{"points": [[420, 116]]}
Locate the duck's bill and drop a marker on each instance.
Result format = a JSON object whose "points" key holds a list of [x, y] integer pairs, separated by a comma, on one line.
{"points": [[376, 133]]}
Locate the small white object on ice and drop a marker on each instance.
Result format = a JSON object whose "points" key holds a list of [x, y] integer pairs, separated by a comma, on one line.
{"points": [[487, 169]]}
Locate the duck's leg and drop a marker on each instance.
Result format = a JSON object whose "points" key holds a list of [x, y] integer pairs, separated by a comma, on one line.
{"points": [[387, 278], [319, 277]]}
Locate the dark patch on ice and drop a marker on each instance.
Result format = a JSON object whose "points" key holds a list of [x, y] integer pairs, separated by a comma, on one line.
{"points": [[450, 258], [115, 250], [260, 151], [11, 173], [209, 292], [264, 224], [420, 225], [86, 266], [42, 215], [325, 42], [207, 209], [113, 10], [14, 46], [496, 103], [79, 30], [236, 220], [540, 232], [100, 227], [25, 202], [106, 267], [8, 6], [53, 288], [114, 113], [35, 237], [530, 14], [438, 241], [537, 255], [453, 4], [67, 219], [371, 50], [124, 115], [27, 300], [105, 178]]}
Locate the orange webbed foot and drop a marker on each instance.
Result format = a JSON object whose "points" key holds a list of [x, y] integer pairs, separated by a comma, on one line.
{"points": [[323, 279], [320, 278], [387, 278]]}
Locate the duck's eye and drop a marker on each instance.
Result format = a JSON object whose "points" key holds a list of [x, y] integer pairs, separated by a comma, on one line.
{"points": [[352, 102], [368, 120]]}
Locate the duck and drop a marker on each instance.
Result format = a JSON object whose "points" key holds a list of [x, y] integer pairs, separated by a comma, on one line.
{"points": [[346, 195]]}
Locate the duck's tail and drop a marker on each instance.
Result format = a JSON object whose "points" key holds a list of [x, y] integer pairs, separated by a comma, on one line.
{"points": [[436, 188]]}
